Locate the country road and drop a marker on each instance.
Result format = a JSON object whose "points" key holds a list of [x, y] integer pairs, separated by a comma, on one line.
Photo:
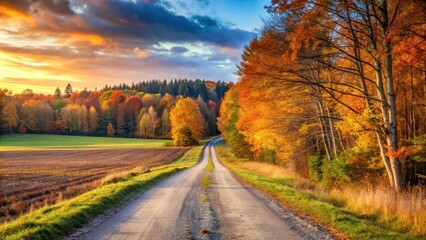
{"points": [[242, 215], [177, 209]]}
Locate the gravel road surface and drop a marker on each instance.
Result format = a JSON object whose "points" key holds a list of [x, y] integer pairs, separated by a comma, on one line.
{"points": [[244, 213], [162, 212], [181, 208]]}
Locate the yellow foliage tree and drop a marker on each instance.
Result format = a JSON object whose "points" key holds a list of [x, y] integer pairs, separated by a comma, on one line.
{"points": [[183, 117]]}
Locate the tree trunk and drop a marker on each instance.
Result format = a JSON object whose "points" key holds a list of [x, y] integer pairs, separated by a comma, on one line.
{"points": [[413, 115], [324, 134], [392, 128], [393, 134], [333, 138], [381, 131]]}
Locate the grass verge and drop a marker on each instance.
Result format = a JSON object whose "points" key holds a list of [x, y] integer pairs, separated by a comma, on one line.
{"points": [[340, 221], [55, 221]]}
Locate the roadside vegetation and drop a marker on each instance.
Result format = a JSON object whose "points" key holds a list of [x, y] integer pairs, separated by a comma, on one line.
{"points": [[207, 178], [62, 218], [341, 109], [364, 213]]}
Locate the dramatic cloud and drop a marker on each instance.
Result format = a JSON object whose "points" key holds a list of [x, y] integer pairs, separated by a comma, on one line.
{"points": [[96, 42]]}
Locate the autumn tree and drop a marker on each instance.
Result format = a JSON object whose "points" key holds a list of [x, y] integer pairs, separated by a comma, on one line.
{"points": [[184, 137], [227, 124], [143, 125], [37, 115], [149, 123], [167, 101], [93, 99], [93, 120], [105, 117], [9, 117], [165, 123], [148, 100], [184, 116], [76, 119]]}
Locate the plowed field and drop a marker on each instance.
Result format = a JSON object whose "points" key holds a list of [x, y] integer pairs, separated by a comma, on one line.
{"points": [[29, 179]]}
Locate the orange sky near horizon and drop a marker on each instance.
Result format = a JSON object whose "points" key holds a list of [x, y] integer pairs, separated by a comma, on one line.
{"points": [[48, 44]]}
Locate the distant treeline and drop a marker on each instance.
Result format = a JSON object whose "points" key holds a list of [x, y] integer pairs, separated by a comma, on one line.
{"points": [[208, 90], [139, 110]]}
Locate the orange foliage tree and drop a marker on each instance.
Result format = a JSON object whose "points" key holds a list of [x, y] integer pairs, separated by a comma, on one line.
{"points": [[187, 123]]}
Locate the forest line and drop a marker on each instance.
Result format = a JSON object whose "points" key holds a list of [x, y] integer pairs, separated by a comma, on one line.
{"points": [[124, 111]]}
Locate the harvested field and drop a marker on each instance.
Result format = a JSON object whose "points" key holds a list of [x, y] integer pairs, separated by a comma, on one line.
{"points": [[30, 179]]}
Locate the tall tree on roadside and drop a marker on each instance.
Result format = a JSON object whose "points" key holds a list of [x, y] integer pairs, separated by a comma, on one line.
{"points": [[351, 45], [227, 121]]}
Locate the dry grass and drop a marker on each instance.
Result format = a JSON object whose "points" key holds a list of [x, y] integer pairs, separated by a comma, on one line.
{"points": [[119, 176], [405, 210], [267, 169]]}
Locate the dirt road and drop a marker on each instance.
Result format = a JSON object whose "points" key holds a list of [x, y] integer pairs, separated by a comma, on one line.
{"points": [[177, 209], [159, 213], [242, 215]]}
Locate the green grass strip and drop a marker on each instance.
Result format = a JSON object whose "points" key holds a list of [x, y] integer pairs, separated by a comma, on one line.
{"points": [[62, 142], [55, 221], [207, 177], [351, 225]]}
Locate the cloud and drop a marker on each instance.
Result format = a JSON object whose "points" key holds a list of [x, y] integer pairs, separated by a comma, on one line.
{"points": [[153, 22], [178, 49], [147, 21], [104, 41], [206, 21], [61, 7], [141, 53]]}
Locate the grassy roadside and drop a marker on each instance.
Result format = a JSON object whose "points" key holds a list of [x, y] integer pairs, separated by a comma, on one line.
{"points": [[55, 221], [343, 223]]}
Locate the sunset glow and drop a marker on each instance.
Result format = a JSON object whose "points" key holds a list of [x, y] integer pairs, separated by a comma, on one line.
{"points": [[47, 44]]}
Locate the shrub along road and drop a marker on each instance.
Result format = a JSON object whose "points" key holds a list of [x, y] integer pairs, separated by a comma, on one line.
{"points": [[182, 208]]}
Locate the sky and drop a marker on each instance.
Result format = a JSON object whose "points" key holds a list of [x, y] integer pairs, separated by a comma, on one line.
{"points": [[46, 44]]}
